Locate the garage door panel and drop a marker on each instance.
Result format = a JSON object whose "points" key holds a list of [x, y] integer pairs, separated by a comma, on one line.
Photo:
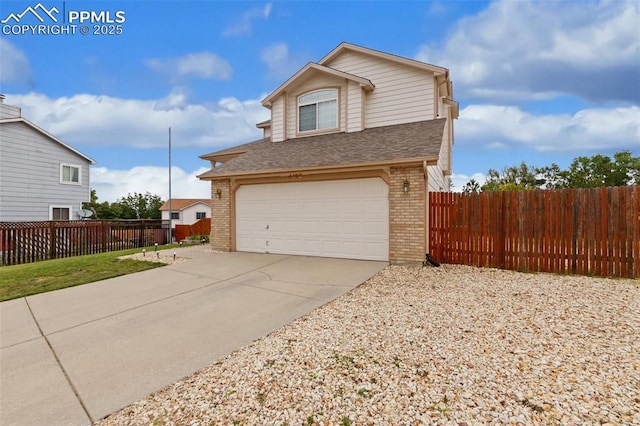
{"points": [[375, 228], [341, 218], [375, 249], [374, 207]]}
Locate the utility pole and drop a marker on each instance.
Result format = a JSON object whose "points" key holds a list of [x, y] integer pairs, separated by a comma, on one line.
{"points": [[170, 210]]}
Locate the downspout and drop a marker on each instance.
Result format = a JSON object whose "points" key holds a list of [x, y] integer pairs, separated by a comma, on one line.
{"points": [[426, 206]]}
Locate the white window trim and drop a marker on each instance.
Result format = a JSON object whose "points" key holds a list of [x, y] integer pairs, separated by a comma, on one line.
{"points": [[323, 130], [56, 206], [64, 182]]}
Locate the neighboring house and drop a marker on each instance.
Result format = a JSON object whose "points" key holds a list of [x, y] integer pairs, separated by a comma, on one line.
{"points": [[41, 177], [186, 211], [354, 145]]}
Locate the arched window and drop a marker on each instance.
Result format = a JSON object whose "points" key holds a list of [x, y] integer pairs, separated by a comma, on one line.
{"points": [[318, 110]]}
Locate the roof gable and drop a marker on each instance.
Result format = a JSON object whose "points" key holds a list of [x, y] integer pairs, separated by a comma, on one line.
{"points": [[47, 134], [309, 69], [344, 47]]}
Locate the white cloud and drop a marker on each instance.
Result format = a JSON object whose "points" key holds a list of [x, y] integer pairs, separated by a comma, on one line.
{"points": [[244, 25], [111, 185], [588, 129], [460, 180], [280, 63], [537, 50], [92, 120], [14, 65], [204, 65]]}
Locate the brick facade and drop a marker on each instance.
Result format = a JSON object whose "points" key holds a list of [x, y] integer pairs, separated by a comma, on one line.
{"points": [[407, 215], [220, 238]]}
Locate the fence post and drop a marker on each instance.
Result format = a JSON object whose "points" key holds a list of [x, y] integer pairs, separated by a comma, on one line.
{"points": [[52, 239]]}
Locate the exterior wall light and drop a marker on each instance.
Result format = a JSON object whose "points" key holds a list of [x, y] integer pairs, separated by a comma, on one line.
{"points": [[218, 193], [405, 185]]}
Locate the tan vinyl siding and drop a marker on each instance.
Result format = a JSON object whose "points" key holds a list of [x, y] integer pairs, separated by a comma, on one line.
{"points": [[30, 175], [277, 120], [438, 182], [445, 150], [439, 175], [8, 111], [354, 118], [402, 93]]}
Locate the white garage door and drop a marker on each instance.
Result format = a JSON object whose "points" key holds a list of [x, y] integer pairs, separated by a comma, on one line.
{"points": [[340, 218]]}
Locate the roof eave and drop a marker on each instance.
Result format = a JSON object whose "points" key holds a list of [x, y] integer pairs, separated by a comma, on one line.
{"points": [[351, 166]]}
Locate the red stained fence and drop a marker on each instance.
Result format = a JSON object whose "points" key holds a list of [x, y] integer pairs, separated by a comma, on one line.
{"points": [[577, 231], [201, 227], [25, 242]]}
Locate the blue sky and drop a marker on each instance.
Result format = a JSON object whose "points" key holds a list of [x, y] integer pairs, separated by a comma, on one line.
{"points": [[537, 81]]}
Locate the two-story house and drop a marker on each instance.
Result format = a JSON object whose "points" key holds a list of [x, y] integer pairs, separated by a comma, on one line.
{"points": [[186, 211], [354, 145], [41, 177]]}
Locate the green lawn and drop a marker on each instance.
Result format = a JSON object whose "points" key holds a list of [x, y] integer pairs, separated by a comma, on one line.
{"points": [[39, 277]]}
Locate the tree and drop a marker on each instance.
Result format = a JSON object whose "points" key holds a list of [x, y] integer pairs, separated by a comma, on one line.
{"points": [[140, 206], [136, 206], [100, 210], [584, 172], [513, 178], [595, 172], [471, 187]]}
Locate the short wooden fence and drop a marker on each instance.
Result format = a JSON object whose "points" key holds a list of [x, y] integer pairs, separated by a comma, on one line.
{"points": [[201, 227], [25, 242], [578, 231]]}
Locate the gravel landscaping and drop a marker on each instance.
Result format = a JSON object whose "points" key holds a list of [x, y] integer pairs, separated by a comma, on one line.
{"points": [[451, 345]]}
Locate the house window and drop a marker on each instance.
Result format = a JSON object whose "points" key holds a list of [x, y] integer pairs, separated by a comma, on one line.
{"points": [[201, 215], [70, 174], [318, 110], [60, 213], [175, 215]]}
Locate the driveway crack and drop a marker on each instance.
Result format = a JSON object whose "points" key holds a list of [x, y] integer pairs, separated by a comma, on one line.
{"points": [[55, 356]]}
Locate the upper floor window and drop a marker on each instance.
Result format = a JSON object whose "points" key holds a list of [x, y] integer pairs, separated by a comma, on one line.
{"points": [[201, 215], [70, 174], [175, 215], [318, 110]]}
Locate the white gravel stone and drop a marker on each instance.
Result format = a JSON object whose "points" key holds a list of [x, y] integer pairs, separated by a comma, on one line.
{"points": [[451, 345]]}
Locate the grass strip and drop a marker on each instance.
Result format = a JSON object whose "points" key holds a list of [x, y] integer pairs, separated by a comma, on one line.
{"points": [[39, 277]]}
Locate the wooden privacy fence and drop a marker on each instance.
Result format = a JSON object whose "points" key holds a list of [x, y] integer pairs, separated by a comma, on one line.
{"points": [[25, 242], [201, 227], [578, 231]]}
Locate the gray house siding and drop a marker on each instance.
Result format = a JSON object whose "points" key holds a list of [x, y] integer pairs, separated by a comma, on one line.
{"points": [[30, 175]]}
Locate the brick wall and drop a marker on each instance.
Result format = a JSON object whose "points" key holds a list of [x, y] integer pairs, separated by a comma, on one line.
{"points": [[220, 237], [407, 214]]}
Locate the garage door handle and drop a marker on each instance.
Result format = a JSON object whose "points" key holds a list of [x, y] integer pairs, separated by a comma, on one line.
{"points": [[266, 227]]}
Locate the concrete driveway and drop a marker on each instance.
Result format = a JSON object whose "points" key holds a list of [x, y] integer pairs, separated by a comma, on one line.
{"points": [[73, 356]]}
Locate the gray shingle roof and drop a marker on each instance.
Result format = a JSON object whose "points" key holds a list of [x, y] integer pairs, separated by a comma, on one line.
{"points": [[398, 143]]}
